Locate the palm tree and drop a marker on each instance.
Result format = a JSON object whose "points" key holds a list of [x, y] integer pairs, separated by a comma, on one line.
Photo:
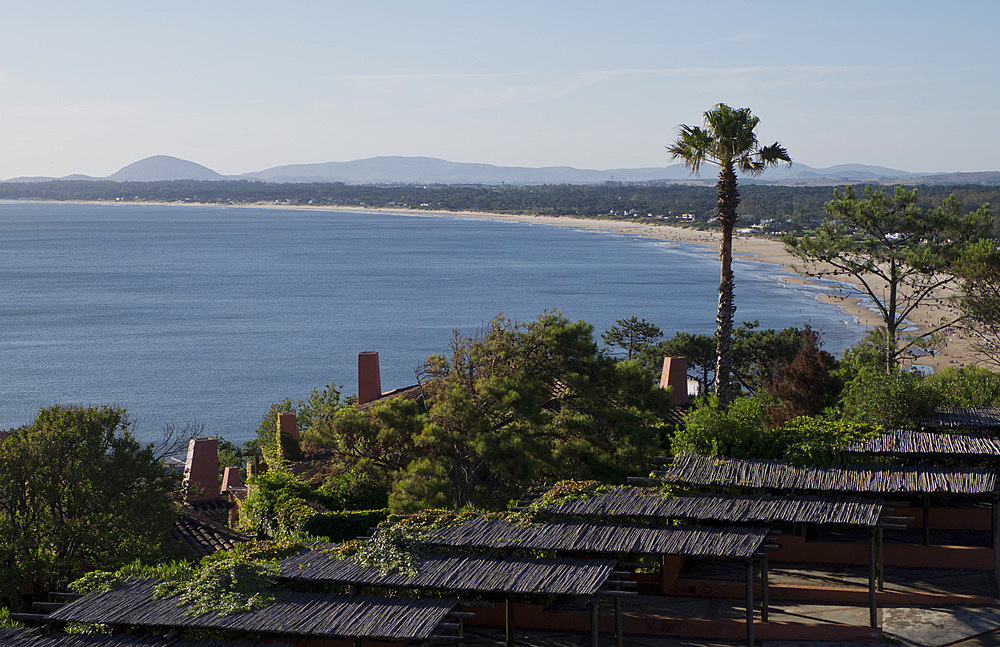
{"points": [[726, 139]]}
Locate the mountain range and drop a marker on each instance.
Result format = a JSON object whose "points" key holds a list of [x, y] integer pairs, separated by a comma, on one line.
{"points": [[430, 170]]}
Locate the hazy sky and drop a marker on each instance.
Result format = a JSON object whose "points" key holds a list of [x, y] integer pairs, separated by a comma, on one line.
{"points": [[87, 87]]}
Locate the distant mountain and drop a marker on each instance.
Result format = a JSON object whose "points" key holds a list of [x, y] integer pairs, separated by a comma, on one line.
{"points": [[163, 167], [425, 170], [430, 170]]}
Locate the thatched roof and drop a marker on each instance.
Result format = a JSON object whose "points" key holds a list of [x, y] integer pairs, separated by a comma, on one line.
{"points": [[601, 538], [35, 638], [855, 479], [765, 509], [970, 418], [923, 443], [460, 572], [297, 614]]}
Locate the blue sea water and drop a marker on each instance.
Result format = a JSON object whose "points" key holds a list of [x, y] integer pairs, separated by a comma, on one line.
{"points": [[209, 314]]}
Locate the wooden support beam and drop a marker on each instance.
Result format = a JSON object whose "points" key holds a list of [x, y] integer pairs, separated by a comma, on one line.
{"points": [[996, 545], [763, 588], [926, 521], [593, 622], [749, 604], [509, 621], [619, 635], [872, 602], [880, 536]]}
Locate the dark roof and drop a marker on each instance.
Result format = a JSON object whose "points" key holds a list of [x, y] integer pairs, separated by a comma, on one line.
{"points": [[199, 536], [600, 538], [35, 638], [313, 469], [455, 572], [297, 614], [218, 505], [649, 502], [414, 392], [867, 479], [964, 418], [921, 443]]}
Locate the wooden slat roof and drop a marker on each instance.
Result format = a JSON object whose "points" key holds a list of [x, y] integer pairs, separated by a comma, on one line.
{"points": [[35, 638], [601, 538], [912, 443], [460, 572], [297, 614], [648, 502], [856, 479], [983, 418]]}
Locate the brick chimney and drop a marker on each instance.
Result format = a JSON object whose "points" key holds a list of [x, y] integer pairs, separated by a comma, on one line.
{"points": [[201, 469], [675, 376], [369, 379], [288, 424], [231, 479]]}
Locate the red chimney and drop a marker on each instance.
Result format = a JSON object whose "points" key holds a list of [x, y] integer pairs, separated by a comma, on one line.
{"points": [[369, 379], [201, 470], [675, 376], [288, 424], [231, 479]]}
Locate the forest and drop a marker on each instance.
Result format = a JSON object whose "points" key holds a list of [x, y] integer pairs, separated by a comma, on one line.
{"points": [[794, 208]]}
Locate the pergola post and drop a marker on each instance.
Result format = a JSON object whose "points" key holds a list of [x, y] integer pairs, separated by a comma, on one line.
{"points": [[872, 602], [763, 587], [509, 620], [925, 518], [619, 634], [880, 538], [749, 609], [593, 622], [995, 508]]}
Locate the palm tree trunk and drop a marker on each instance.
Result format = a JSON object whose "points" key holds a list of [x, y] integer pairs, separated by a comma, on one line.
{"points": [[728, 200]]}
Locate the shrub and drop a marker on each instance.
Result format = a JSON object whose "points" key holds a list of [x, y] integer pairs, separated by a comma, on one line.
{"points": [[894, 400], [345, 524]]}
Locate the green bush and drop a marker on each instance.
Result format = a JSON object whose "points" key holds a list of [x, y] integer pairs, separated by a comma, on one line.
{"points": [[814, 440], [345, 524], [736, 433], [894, 400], [968, 386]]}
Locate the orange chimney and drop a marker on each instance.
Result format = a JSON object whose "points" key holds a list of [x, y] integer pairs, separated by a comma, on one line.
{"points": [[201, 469], [231, 479], [288, 424], [369, 379], [675, 376]]}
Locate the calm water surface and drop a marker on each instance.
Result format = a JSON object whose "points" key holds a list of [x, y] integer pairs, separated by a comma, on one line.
{"points": [[208, 314]]}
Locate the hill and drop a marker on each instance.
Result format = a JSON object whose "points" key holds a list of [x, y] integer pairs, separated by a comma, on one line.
{"points": [[163, 167]]}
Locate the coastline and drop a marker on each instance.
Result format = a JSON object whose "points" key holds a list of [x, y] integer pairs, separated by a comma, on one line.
{"points": [[956, 352]]}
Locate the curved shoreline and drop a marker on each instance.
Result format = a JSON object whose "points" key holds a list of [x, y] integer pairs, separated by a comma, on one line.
{"points": [[957, 351]]}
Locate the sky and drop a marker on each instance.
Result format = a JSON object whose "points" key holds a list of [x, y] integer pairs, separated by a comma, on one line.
{"points": [[243, 85]]}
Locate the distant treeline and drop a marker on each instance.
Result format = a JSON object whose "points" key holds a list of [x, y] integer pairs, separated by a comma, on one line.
{"points": [[793, 207]]}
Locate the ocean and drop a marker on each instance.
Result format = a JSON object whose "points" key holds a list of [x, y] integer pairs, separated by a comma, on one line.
{"points": [[207, 315]]}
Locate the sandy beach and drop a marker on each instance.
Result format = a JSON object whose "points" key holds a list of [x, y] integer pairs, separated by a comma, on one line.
{"points": [[957, 350]]}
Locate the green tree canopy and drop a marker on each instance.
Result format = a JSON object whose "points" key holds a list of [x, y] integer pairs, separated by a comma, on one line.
{"points": [[631, 335], [519, 403], [980, 298], [77, 490], [727, 140], [900, 254]]}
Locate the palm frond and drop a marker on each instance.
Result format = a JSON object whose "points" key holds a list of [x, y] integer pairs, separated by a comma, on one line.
{"points": [[693, 147]]}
